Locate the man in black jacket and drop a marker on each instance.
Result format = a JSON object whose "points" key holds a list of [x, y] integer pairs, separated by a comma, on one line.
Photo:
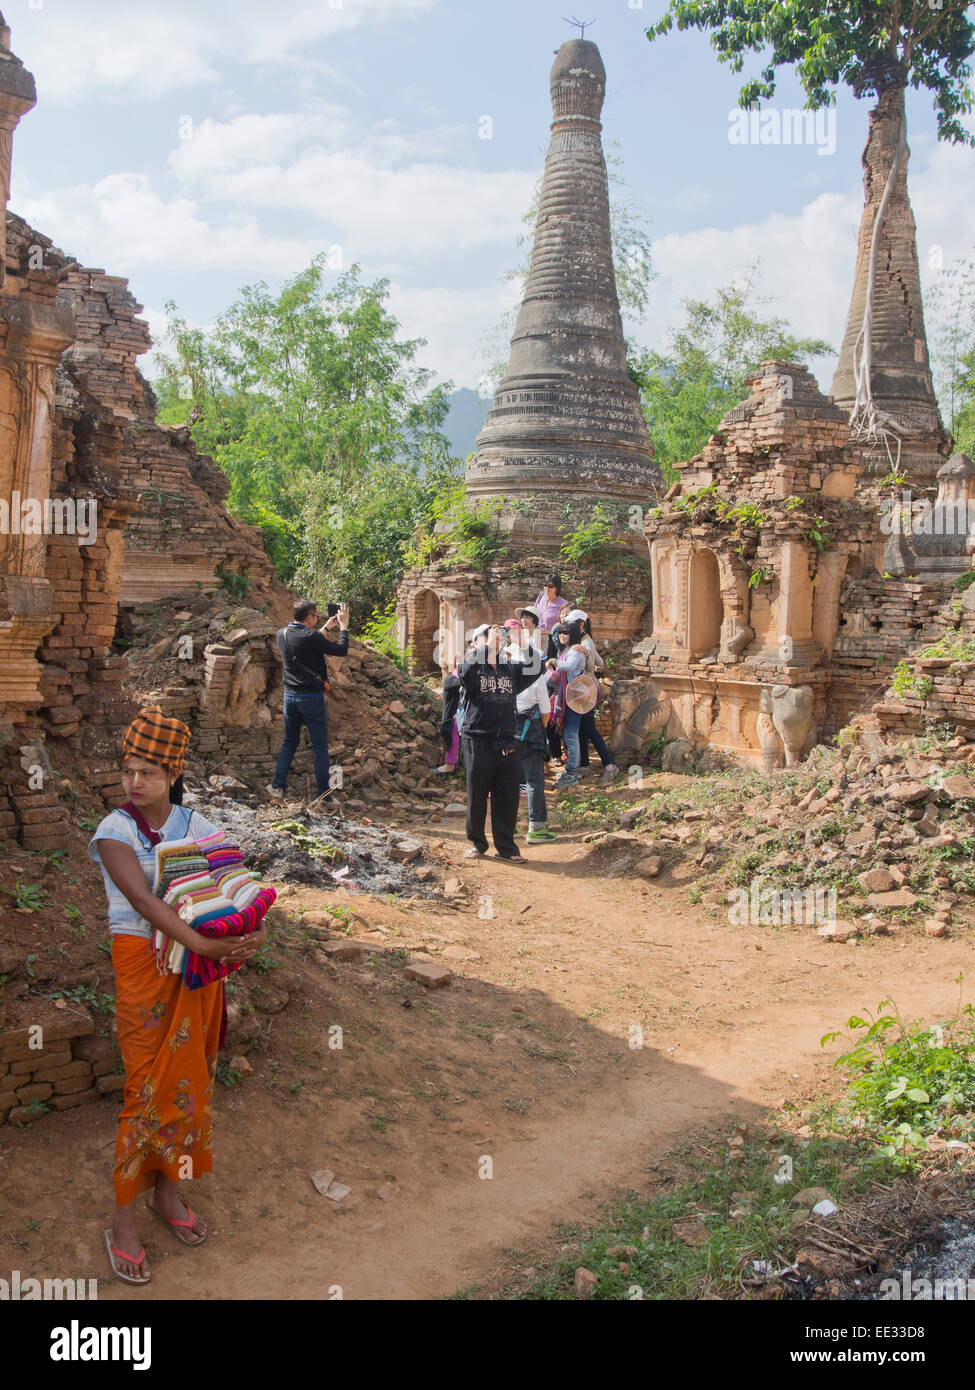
{"points": [[305, 683], [491, 762]]}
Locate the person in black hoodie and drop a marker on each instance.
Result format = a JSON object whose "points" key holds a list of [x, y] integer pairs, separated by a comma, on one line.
{"points": [[491, 682], [305, 683]]}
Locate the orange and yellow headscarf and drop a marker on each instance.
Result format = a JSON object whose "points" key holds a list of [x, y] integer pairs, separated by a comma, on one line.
{"points": [[158, 739]]}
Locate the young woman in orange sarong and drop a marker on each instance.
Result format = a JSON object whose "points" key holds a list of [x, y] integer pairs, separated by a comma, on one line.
{"points": [[168, 1034]]}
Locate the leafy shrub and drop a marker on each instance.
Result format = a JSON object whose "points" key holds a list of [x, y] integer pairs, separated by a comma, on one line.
{"points": [[472, 530], [908, 1082], [585, 543], [905, 683], [380, 633], [235, 585]]}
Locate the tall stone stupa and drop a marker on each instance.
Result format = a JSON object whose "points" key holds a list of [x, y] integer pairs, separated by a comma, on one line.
{"points": [[566, 426], [566, 431]]}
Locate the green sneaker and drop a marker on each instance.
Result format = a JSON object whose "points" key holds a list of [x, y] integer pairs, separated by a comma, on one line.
{"points": [[539, 834]]}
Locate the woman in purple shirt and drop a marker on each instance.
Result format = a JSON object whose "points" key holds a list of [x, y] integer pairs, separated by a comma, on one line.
{"points": [[548, 606]]}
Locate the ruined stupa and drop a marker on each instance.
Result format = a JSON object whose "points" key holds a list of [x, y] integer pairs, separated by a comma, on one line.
{"points": [[900, 375], [566, 433], [566, 423], [34, 331]]}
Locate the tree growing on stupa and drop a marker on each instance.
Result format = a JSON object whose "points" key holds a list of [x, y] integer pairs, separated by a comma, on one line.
{"points": [[877, 48]]}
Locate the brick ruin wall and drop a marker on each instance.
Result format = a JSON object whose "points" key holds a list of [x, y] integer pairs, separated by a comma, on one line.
{"points": [[183, 533], [787, 451], [162, 527], [615, 592]]}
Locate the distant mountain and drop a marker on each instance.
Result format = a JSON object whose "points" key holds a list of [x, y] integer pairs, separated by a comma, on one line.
{"points": [[467, 414]]}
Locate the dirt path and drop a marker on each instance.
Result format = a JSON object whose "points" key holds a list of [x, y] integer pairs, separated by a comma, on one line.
{"points": [[525, 1060]]}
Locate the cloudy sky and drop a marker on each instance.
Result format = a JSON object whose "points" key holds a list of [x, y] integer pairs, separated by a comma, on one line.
{"points": [[198, 147]]}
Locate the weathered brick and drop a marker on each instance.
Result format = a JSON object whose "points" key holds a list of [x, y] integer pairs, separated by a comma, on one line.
{"points": [[70, 1084], [78, 1098], [27, 1095], [63, 1071], [76, 1024], [34, 1060]]}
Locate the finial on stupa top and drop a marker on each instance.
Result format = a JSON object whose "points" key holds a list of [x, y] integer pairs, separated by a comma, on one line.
{"points": [[581, 24]]}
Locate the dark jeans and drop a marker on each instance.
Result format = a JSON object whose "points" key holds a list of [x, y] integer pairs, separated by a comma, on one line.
{"points": [[588, 733], [488, 770], [533, 773], [310, 711]]}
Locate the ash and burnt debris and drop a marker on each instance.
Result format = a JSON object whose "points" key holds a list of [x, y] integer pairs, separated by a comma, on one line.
{"points": [[296, 845]]}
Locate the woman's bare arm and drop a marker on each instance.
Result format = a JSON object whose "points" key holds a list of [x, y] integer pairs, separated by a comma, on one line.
{"points": [[126, 873]]}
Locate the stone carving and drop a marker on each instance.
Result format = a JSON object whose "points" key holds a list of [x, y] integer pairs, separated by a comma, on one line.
{"points": [[939, 539], [768, 738], [638, 715], [735, 637], [675, 755], [792, 707]]}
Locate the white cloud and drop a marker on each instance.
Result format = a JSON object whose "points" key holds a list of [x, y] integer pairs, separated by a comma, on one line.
{"points": [[123, 222], [211, 150], [134, 52], [217, 147], [805, 264], [378, 188], [806, 260], [419, 209]]}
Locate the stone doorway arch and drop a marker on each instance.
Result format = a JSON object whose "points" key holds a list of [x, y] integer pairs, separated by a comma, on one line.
{"points": [[705, 607], [424, 631]]}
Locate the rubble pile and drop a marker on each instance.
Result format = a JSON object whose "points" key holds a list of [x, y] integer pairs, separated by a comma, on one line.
{"points": [[216, 666], [889, 825]]}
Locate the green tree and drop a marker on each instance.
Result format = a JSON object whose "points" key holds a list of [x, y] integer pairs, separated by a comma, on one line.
{"points": [[876, 48], [953, 349], [963, 422], [328, 431], [868, 45], [687, 388]]}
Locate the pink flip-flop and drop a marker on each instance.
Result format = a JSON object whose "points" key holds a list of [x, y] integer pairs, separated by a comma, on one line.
{"points": [[115, 1254], [178, 1226]]}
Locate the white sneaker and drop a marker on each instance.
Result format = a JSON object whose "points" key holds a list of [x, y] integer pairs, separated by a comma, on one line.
{"points": [[275, 793], [609, 772]]}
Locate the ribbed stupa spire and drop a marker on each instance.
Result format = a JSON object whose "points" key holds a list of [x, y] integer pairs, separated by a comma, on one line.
{"points": [[567, 417], [900, 371]]}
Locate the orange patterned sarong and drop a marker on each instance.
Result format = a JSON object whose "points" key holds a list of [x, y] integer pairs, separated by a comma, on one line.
{"points": [[169, 1038]]}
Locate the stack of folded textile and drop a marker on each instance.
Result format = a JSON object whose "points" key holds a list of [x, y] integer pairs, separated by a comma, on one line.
{"points": [[206, 884]]}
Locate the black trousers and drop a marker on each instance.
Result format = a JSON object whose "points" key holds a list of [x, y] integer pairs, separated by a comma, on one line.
{"points": [[488, 770]]}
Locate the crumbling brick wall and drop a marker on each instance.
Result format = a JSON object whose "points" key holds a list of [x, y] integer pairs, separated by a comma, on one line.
{"points": [[183, 533]]}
